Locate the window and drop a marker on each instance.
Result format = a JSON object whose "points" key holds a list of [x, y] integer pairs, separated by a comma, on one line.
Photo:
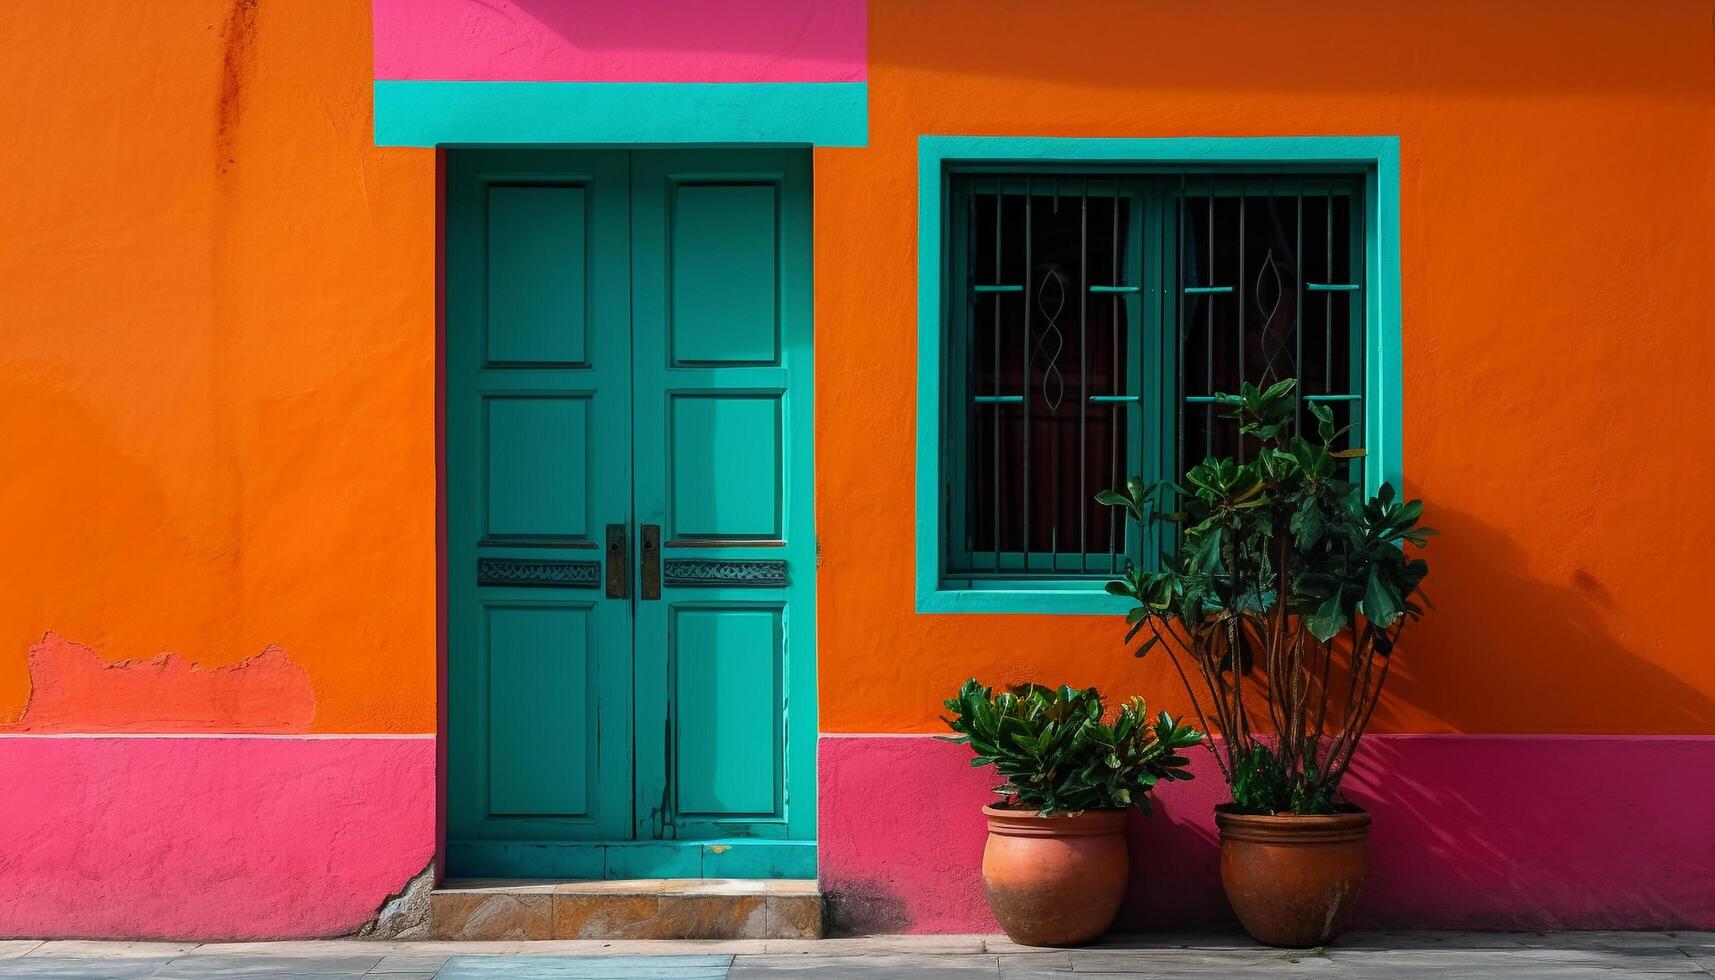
{"points": [[1088, 312]]}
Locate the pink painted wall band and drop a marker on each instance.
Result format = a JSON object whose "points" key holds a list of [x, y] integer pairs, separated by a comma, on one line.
{"points": [[209, 837], [1470, 832], [634, 41]]}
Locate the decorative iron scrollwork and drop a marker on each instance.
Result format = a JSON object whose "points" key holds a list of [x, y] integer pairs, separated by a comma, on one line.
{"points": [[739, 572], [539, 572]]}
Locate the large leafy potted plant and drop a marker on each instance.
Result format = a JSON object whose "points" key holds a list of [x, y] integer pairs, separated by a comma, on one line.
{"points": [[1055, 867], [1280, 610]]}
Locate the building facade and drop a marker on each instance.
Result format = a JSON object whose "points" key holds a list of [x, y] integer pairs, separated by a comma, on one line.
{"points": [[550, 439]]}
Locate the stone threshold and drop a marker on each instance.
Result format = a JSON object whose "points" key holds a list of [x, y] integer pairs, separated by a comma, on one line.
{"points": [[644, 908]]}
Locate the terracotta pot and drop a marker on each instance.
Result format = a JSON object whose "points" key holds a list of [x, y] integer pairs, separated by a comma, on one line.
{"points": [[1055, 881], [1293, 880]]}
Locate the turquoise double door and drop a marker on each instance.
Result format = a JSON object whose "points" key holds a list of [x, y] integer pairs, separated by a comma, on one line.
{"points": [[630, 532]]}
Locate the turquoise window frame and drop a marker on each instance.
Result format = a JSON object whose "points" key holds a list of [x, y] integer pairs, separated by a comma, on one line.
{"points": [[1376, 157]]}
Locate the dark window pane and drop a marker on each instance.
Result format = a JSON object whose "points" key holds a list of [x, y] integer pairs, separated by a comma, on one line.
{"points": [[1283, 247], [1035, 461], [1262, 279]]}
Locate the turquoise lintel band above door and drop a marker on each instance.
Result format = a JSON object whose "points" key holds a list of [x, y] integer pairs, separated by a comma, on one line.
{"points": [[449, 113], [1376, 157]]}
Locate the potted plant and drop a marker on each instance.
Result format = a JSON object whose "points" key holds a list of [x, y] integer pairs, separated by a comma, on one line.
{"points": [[1280, 610], [1055, 867]]}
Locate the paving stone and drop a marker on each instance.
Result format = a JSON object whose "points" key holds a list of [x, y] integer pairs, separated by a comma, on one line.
{"points": [[1430, 940], [642, 947], [1693, 940], [585, 968], [1034, 963], [872, 945], [1201, 942], [1239, 971], [17, 947], [261, 975], [873, 967], [1598, 940], [82, 967], [1189, 962], [90, 947], [410, 963], [198, 965], [1374, 956], [1633, 960]]}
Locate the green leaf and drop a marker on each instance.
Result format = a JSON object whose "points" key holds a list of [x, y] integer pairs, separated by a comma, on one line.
{"points": [[1328, 619], [1381, 602]]}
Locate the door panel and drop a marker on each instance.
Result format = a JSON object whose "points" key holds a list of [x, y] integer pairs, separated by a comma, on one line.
{"points": [[724, 455], [721, 320], [538, 463], [536, 260], [541, 729], [728, 663], [723, 274], [537, 471], [628, 345]]}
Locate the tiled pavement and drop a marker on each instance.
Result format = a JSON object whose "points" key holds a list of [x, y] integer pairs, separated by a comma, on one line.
{"points": [[1381, 956]]}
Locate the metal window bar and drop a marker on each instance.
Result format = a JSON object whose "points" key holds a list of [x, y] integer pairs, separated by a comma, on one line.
{"points": [[1024, 385], [1212, 236], [1251, 252]]}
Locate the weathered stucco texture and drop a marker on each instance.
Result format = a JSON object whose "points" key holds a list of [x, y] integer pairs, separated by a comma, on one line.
{"points": [[218, 352], [208, 837], [1557, 170], [1470, 832]]}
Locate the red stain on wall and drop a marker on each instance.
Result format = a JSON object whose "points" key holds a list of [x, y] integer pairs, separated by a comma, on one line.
{"points": [[73, 689]]}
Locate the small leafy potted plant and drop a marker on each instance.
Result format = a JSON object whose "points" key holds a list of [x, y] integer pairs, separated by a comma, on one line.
{"points": [[1055, 867], [1280, 611]]}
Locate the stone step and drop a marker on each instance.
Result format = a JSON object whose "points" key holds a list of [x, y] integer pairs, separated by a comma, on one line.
{"points": [[648, 908]]}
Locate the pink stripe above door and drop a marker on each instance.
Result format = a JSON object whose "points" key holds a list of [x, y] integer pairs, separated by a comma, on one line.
{"points": [[634, 41]]}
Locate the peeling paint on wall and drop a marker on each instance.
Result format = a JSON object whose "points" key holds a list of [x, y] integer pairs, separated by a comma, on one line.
{"points": [[74, 689], [405, 913]]}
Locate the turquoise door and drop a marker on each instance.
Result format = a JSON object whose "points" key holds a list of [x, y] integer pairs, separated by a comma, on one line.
{"points": [[630, 534]]}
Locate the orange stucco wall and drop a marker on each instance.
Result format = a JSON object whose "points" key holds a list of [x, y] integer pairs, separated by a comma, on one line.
{"points": [[1558, 170], [217, 353]]}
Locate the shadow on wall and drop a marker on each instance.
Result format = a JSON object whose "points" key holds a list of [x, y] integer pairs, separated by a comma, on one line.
{"points": [[1545, 832], [1483, 832], [1500, 643], [1533, 47], [772, 27], [1547, 48]]}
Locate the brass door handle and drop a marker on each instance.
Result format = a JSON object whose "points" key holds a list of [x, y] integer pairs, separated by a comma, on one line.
{"points": [[617, 571], [650, 545]]}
